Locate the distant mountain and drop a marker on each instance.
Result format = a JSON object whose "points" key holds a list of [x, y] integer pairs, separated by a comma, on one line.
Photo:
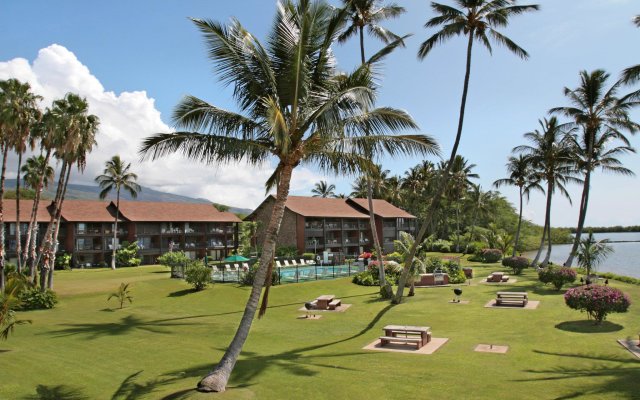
{"points": [[88, 192]]}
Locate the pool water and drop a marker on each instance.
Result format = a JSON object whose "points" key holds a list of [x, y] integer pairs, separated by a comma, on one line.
{"points": [[296, 274]]}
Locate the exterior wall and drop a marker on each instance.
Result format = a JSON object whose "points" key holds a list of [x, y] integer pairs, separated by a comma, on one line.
{"points": [[288, 228]]}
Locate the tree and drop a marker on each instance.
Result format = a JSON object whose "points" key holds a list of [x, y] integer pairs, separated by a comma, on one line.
{"points": [[116, 176], [551, 158], [478, 204], [369, 14], [592, 253], [602, 118], [521, 175], [294, 106], [122, 294], [323, 189], [477, 20], [632, 74], [457, 185]]}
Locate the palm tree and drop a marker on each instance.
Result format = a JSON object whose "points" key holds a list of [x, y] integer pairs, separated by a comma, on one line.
{"points": [[478, 204], [295, 107], [632, 74], [323, 189], [369, 14], [550, 156], [457, 184], [591, 253], [521, 175], [602, 118], [4, 144], [116, 175], [478, 20]]}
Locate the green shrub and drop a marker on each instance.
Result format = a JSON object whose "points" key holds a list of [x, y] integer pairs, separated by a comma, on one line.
{"points": [[34, 299], [198, 276], [456, 275], [432, 264], [442, 246], [395, 256], [10, 268], [558, 276], [517, 264], [308, 256], [123, 293], [63, 261], [475, 247], [248, 277], [621, 278], [287, 251], [491, 255], [174, 259], [364, 278], [597, 300], [126, 255]]}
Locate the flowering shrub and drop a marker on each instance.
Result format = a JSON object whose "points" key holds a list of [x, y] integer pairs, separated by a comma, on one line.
{"points": [[491, 255], [557, 276], [597, 300], [517, 264]]}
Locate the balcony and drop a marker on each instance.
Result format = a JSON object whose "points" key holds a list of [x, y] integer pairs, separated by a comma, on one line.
{"points": [[350, 226], [170, 230]]}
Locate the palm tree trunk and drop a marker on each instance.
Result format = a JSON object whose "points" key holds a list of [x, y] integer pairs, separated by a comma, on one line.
{"points": [[458, 229], [547, 219], [115, 230], [581, 218], [216, 380], [436, 200], [18, 230], [54, 249], [515, 245], [376, 242], [5, 150], [29, 249]]}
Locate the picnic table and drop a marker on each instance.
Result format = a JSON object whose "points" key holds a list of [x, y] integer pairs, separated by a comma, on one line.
{"points": [[322, 302], [512, 298], [419, 335]]}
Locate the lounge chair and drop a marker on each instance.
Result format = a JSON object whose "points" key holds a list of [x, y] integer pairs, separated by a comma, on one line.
{"points": [[294, 263], [227, 267], [278, 265], [236, 267], [245, 266], [303, 262], [286, 263]]}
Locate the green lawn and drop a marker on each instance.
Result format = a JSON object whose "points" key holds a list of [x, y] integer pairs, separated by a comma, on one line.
{"points": [[160, 346]]}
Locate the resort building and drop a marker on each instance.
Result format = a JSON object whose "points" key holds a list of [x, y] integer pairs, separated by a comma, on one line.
{"points": [[86, 229], [316, 224]]}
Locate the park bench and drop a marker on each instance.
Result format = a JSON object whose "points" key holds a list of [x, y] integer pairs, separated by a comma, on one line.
{"points": [[512, 298], [384, 340]]}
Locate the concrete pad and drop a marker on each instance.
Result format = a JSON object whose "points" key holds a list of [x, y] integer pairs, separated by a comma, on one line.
{"points": [[632, 345], [459, 302], [510, 281], [531, 305], [309, 316], [428, 348], [491, 348], [431, 286], [341, 308]]}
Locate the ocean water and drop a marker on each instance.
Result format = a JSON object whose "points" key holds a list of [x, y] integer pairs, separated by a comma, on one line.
{"points": [[625, 259]]}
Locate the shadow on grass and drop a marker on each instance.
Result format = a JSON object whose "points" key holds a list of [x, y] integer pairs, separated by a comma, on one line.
{"points": [[181, 293], [59, 392], [617, 381], [108, 310], [588, 326]]}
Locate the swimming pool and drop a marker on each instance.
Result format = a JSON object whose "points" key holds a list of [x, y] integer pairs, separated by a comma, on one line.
{"points": [[296, 274]]}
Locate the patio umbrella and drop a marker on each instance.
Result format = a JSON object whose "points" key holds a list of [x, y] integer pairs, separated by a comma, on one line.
{"points": [[236, 258]]}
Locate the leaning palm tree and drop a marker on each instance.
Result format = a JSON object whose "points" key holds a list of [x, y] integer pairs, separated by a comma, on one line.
{"points": [[369, 14], [294, 106], [521, 175], [477, 20], [632, 74], [550, 156], [117, 175], [602, 117], [323, 189], [592, 253]]}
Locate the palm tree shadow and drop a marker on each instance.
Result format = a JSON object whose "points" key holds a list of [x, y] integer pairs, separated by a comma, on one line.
{"points": [[59, 392], [181, 293]]}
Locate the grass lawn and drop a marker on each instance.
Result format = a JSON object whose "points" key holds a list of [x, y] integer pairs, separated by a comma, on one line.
{"points": [[161, 345]]}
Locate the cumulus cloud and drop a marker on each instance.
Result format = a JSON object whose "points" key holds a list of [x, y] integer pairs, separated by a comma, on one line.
{"points": [[127, 118]]}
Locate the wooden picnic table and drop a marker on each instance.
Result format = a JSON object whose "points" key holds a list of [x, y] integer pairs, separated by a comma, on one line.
{"points": [[406, 330], [322, 302], [512, 294]]}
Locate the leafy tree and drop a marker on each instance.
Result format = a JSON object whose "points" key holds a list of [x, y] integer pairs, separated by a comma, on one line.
{"points": [[295, 107], [478, 21], [198, 276], [126, 255], [116, 176], [122, 294], [592, 253], [323, 189]]}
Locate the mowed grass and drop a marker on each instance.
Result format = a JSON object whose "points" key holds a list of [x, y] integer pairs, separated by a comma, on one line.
{"points": [[159, 346]]}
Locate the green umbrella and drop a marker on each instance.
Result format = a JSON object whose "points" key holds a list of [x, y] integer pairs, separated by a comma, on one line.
{"points": [[236, 258]]}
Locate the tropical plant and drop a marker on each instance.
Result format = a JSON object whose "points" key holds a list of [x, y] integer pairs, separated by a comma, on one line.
{"points": [[122, 294], [295, 107], [402, 247], [477, 20], [198, 276], [597, 300], [632, 74], [558, 276], [521, 175], [323, 189], [9, 302], [116, 176], [32, 298], [126, 254], [602, 117], [592, 253]]}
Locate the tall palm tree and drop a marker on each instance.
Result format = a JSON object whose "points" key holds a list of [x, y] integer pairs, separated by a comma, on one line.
{"points": [[632, 74], [117, 175], [602, 117], [478, 21], [294, 106], [369, 14], [478, 204], [550, 156], [323, 189], [521, 175], [591, 253], [457, 186], [4, 144]]}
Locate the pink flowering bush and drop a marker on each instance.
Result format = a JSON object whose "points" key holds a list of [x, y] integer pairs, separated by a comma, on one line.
{"points": [[597, 300], [491, 255], [557, 276]]}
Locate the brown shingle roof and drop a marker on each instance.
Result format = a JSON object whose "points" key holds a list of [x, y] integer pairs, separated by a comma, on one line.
{"points": [[322, 207], [86, 211], [382, 208], [25, 210], [146, 211]]}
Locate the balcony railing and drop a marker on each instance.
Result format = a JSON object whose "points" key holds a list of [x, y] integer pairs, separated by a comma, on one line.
{"points": [[172, 230]]}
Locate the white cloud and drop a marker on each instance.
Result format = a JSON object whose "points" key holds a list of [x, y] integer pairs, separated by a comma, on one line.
{"points": [[127, 118]]}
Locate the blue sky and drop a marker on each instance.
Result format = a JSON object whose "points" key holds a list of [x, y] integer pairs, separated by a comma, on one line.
{"points": [[136, 59]]}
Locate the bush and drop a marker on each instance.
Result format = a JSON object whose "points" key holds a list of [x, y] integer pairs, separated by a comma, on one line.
{"points": [[456, 275], [198, 276], [395, 256], [287, 251], [392, 271], [475, 247], [558, 276], [34, 299], [442, 246], [248, 277], [364, 278], [432, 264], [308, 256], [126, 255], [10, 268], [597, 301], [491, 255], [517, 264], [174, 259], [63, 261]]}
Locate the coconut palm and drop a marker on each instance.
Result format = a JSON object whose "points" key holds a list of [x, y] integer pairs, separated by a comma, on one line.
{"points": [[323, 189], [521, 175], [459, 181], [592, 253], [602, 117], [403, 246], [551, 158], [369, 14], [117, 175], [4, 144], [293, 106], [478, 204], [478, 21], [632, 74]]}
